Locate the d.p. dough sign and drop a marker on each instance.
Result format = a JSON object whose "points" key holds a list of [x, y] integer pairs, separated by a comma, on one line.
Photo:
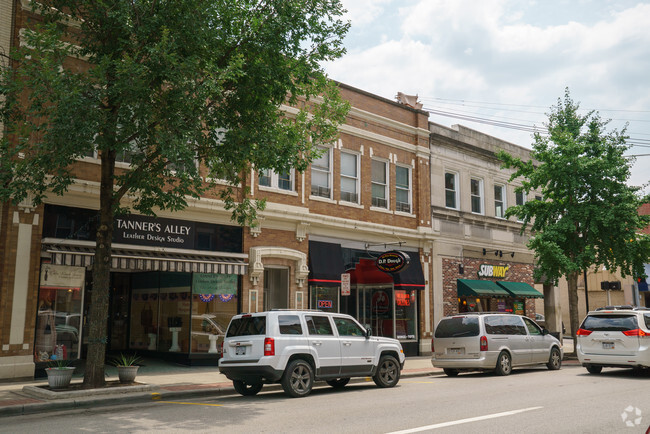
{"points": [[393, 262]]}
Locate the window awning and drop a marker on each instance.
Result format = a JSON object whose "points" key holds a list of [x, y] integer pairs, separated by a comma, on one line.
{"points": [[412, 277], [520, 289], [480, 288], [325, 264], [146, 260]]}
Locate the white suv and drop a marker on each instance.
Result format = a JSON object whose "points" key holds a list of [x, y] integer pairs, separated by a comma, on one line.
{"points": [[616, 336], [296, 348]]}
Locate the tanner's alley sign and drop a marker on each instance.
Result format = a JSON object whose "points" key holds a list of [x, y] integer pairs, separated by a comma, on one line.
{"points": [[150, 231]]}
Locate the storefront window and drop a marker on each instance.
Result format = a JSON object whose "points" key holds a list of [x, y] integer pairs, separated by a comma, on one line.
{"points": [[58, 322], [325, 298], [214, 302], [405, 311], [144, 311], [175, 300]]}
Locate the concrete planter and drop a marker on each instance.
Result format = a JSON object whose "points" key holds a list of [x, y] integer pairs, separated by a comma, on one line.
{"points": [[59, 378], [127, 373]]}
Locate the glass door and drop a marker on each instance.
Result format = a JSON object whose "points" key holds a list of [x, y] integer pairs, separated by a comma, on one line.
{"points": [[376, 310]]}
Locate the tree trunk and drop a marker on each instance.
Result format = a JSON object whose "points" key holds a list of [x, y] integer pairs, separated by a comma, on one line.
{"points": [[99, 298], [572, 282]]}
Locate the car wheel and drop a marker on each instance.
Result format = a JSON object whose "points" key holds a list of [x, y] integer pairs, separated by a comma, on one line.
{"points": [[388, 372], [504, 364], [298, 379], [247, 389], [554, 360], [593, 369], [451, 372], [339, 383]]}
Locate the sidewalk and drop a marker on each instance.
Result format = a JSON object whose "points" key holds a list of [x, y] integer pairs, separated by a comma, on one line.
{"points": [[156, 380]]}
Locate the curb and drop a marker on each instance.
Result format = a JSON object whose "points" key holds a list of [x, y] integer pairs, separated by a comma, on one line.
{"points": [[78, 400]]}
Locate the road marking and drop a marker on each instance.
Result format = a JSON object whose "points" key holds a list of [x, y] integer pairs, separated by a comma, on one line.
{"points": [[190, 403], [461, 421]]}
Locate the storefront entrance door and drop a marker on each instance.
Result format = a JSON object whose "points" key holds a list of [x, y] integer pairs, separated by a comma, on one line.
{"points": [[119, 311], [276, 288], [376, 310]]}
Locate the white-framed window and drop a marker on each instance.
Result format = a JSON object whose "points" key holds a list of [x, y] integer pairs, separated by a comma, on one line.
{"points": [[321, 174], [451, 190], [379, 183], [476, 195], [281, 181], [499, 201], [349, 177], [403, 189]]}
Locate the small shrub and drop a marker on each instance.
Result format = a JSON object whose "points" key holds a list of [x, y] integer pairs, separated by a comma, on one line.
{"points": [[126, 360]]}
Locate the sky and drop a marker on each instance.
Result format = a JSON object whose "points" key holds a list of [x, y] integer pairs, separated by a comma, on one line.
{"points": [[497, 66]]}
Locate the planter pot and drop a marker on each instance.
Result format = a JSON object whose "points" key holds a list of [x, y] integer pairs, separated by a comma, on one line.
{"points": [[127, 373], [59, 378]]}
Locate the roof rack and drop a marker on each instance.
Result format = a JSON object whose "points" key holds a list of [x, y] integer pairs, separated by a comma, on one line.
{"points": [[623, 307]]}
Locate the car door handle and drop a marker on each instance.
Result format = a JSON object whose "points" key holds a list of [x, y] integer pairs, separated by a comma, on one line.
{"points": [[347, 343], [317, 343]]}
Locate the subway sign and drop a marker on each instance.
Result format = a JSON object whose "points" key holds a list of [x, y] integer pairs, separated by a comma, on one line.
{"points": [[393, 262], [493, 270]]}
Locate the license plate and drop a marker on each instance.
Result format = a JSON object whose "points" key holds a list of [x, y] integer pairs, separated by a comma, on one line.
{"points": [[457, 351], [608, 345], [240, 351]]}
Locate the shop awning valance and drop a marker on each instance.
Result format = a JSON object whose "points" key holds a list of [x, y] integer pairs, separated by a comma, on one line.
{"points": [[480, 288], [325, 264], [520, 289], [144, 260], [412, 277]]}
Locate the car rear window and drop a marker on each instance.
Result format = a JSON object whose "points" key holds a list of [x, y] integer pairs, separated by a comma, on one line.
{"points": [[614, 323], [504, 325], [457, 327], [646, 317], [247, 326], [289, 325]]}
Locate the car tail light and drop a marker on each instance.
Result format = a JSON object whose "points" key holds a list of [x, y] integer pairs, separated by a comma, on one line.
{"points": [[269, 347], [484, 345], [635, 332], [583, 332], [221, 347], [432, 350]]}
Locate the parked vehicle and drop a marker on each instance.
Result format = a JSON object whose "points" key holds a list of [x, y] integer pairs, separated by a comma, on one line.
{"points": [[492, 342], [296, 348], [615, 336]]}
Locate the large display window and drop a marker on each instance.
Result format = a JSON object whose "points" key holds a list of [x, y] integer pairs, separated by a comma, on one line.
{"points": [[58, 320], [214, 302], [325, 298]]}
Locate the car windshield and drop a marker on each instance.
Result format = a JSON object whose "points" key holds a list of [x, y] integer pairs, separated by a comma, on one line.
{"points": [[613, 323], [247, 326], [457, 327]]}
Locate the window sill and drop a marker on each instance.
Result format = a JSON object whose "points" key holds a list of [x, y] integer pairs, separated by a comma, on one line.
{"points": [[351, 204], [378, 209], [404, 214], [322, 199], [277, 190]]}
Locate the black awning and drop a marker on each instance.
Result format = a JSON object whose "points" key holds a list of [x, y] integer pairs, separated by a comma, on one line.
{"points": [[412, 277], [325, 264]]}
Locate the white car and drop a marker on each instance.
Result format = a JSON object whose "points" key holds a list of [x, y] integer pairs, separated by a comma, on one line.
{"points": [[492, 341], [614, 337], [296, 348]]}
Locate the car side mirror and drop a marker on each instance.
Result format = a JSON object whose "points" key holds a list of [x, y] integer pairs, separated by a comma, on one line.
{"points": [[368, 332], [544, 331]]}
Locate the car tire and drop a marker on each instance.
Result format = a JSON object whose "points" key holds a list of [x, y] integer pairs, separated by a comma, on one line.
{"points": [[554, 360], [451, 372], [504, 364], [388, 372], [593, 369], [298, 379], [247, 389], [339, 383]]}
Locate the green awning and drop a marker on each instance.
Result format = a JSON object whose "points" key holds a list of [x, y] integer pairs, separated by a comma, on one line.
{"points": [[480, 288], [520, 289]]}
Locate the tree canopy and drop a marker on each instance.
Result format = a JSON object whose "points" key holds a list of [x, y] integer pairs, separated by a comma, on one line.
{"points": [[588, 214], [187, 92]]}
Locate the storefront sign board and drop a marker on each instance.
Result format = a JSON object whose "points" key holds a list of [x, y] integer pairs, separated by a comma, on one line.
{"points": [[153, 231], [486, 270], [393, 262], [219, 284], [62, 276]]}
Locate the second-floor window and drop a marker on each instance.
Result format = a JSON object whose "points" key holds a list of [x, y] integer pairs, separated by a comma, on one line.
{"points": [[451, 190], [520, 199], [379, 184], [402, 189], [281, 181], [499, 201], [349, 177], [321, 174], [476, 194]]}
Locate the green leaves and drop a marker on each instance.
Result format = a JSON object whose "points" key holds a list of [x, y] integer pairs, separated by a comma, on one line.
{"points": [[589, 215]]}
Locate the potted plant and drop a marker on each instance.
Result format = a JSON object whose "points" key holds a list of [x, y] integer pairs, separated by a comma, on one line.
{"points": [[59, 374], [127, 367]]}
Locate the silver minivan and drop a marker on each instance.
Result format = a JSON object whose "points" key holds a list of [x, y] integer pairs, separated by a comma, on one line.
{"points": [[492, 341]]}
